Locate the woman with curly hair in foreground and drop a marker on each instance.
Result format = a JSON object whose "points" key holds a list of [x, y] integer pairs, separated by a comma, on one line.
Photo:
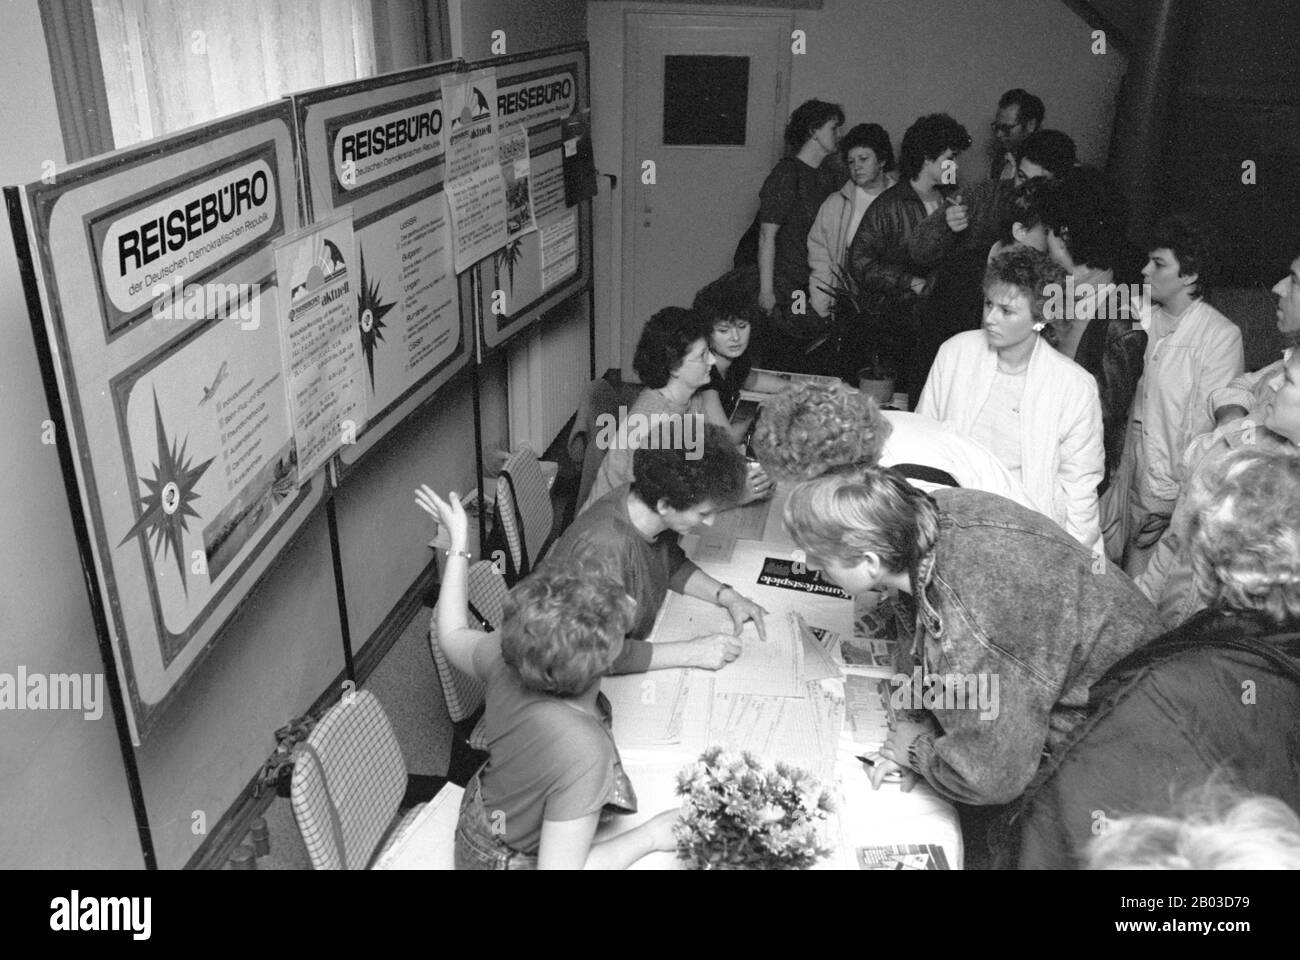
{"points": [[553, 767], [1218, 695]]}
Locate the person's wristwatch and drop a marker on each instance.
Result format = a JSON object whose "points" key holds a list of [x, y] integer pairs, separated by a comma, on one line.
{"points": [[717, 597]]}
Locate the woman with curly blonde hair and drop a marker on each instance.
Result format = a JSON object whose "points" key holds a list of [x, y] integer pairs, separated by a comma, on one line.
{"points": [[816, 428], [553, 768], [1218, 696]]}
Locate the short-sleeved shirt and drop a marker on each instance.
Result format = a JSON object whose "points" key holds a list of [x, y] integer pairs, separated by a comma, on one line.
{"points": [[648, 569], [791, 196], [729, 385], [547, 759]]}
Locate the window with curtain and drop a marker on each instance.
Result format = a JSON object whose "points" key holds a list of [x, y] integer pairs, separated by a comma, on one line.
{"points": [[171, 65]]}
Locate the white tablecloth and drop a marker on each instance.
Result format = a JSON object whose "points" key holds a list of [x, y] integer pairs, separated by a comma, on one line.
{"points": [[865, 817]]}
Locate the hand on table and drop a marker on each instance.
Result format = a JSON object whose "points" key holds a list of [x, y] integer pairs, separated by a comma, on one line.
{"points": [[448, 513], [883, 767], [714, 651], [741, 609], [895, 750]]}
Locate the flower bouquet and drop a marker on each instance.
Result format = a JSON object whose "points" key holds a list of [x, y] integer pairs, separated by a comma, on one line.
{"points": [[741, 815]]}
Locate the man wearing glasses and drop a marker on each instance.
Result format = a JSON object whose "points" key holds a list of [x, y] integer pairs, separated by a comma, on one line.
{"points": [[1020, 113]]}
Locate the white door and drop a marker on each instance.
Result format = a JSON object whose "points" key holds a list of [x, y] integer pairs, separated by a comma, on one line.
{"points": [[706, 101]]}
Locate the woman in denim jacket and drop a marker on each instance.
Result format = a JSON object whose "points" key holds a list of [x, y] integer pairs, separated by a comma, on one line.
{"points": [[986, 595]]}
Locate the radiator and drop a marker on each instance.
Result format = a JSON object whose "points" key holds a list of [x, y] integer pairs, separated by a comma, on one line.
{"points": [[547, 372]]}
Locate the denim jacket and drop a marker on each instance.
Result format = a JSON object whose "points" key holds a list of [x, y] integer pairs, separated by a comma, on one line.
{"points": [[1011, 608]]}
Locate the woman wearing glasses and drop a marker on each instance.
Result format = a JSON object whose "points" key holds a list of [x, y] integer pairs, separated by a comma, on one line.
{"points": [[674, 363]]}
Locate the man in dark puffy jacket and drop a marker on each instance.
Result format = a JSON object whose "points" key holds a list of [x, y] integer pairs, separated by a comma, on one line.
{"points": [[1219, 697], [891, 281]]}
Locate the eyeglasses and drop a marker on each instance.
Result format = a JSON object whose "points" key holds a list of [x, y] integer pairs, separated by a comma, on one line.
{"points": [[1004, 127]]}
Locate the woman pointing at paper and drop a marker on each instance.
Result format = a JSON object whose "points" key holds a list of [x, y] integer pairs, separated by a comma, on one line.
{"points": [[633, 532]]}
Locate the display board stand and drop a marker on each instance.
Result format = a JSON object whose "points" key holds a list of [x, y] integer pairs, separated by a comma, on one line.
{"points": [[45, 360]]}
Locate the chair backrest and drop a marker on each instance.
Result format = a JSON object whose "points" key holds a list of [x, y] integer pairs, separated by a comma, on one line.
{"points": [[603, 400], [348, 780], [486, 588], [526, 512]]}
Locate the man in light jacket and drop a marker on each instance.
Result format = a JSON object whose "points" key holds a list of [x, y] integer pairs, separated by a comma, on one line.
{"points": [[869, 157], [1192, 350]]}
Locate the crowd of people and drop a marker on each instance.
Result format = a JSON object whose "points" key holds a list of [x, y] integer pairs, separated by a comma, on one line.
{"points": [[1091, 501]]}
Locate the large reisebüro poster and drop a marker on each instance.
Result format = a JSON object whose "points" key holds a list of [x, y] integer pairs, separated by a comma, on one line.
{"points": [[158, 299], [376, 145], [534, 271]]}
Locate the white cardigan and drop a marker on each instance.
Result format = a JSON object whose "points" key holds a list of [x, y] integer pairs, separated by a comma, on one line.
{"points": [[1061, 454]]}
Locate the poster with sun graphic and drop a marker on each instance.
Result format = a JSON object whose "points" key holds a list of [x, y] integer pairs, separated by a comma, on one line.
{"points": [[375, 146], [157, 285]]}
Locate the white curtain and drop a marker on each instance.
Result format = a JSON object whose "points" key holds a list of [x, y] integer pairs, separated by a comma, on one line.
{"points": [[170, 64]]}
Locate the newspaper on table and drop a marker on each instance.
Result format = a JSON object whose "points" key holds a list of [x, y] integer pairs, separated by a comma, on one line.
{"points": [[773, 667]]}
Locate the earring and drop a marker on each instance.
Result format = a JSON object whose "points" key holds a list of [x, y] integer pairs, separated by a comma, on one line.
{"points": [[1039, 326]]}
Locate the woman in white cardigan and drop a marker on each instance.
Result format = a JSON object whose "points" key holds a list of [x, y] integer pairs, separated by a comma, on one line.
{"points": [[1037, 411]]}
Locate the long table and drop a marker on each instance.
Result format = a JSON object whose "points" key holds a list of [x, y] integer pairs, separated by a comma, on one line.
{"points": [[895, 827], [865, 818]]}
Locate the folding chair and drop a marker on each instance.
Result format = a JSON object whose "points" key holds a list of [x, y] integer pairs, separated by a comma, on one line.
{"points": [[348, 782], [464, 694], [524, 501]]}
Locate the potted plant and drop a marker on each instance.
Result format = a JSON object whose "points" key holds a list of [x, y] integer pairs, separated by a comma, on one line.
{"points": [[742, 815], [864, 338]]}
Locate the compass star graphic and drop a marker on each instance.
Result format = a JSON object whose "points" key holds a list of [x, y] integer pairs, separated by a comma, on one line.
{"points": [[370, 312], [167, 504]]}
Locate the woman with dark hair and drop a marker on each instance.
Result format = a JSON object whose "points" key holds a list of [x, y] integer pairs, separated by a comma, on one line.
{"points": [[1022, 221], [727, 307], [788, 204], [1045, 154], [978, 589], [1098, 325], [633, 532], [1218, 696], [674, 363], [553, 769], [891, 278], [1012, 393], [869, 157]]}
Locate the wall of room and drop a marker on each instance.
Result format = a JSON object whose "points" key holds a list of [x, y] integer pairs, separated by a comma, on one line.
{"points": [[64, 792], [885, 62]]}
